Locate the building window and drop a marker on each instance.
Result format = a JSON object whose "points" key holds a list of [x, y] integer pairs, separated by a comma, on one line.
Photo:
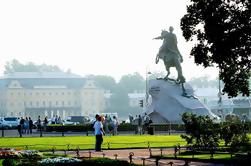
{"points": [[50, 103], [44, 93], [62, 103], [69, 103], [37, 93], [69, 93], [62, 93], [37, 103], [56, 102], [30, 103], [44, 103]]}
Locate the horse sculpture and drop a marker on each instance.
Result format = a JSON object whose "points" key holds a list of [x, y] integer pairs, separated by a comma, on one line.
{"points": [[170, 54]]}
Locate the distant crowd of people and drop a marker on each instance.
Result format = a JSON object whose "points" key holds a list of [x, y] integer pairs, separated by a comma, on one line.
{"points": [[143, 123], [26, 124]]}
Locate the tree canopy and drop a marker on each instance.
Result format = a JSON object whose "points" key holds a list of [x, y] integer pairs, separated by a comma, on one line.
{"points": [[16, 66], [105, 82], [132, 82], [222, 34]]}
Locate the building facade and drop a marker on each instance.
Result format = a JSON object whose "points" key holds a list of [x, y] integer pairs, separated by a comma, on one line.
{"points": [[48, 94]]}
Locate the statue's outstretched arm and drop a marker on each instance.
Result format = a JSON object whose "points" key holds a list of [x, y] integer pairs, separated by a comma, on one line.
{"points": [[159, 37]]}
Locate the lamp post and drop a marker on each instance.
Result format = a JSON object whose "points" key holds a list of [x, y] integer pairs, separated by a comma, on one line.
{"points": [[147, 94]]}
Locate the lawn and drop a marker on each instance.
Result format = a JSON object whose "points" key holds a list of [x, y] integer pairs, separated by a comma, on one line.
{"points": [[207, 156], [87, 142]]}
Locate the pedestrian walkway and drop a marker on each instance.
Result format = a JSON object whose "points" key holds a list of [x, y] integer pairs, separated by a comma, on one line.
{"points": [[142, 156]]}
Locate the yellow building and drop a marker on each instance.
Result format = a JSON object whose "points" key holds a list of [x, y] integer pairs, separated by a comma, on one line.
{"points": [[49, 93]]}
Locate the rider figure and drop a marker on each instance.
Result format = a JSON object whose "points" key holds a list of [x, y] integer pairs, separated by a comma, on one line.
{"points": [[169, 53]]}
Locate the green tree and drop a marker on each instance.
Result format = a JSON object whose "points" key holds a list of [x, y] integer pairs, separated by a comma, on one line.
{"points": [[200, 131], [203, 82], [234, 134], [105, 82], [119, 102], [131, 82], [222, 34], [16, 66]]}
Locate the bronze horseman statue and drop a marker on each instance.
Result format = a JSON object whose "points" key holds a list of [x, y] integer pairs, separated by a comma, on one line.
{"points": [[170, 54]]}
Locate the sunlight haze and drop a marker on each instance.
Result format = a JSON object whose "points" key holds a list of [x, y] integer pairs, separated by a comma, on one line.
{"points": [[111, 37]]}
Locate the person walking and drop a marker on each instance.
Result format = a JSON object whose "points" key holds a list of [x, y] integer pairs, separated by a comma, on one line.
{"points": [[106, 124], [53, 120], [39, 127], [115, 125], [139, 125], [99, 132], [59, 121], [146, 123], [30, 125], [26, 125], [56, 119], [45, 123], [22, 125]]}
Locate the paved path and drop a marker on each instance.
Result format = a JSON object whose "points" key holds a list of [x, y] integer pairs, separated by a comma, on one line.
{"points": [[123, 154]]}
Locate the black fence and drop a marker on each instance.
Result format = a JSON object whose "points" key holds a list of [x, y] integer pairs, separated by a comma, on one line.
{"points": [[87, 129], [64, 130]]}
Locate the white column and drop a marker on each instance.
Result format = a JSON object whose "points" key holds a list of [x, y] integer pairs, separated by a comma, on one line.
{"points": [[63, 114], [51, 113]]}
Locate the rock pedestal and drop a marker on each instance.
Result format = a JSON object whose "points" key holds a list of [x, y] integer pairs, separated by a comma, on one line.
{"points": [[167, 103]]}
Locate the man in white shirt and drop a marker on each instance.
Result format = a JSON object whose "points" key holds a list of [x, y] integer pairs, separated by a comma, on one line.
{"points": [[99, 132]]}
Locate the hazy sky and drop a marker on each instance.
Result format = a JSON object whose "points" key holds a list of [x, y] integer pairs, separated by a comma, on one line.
{"points": [[105, 37]]}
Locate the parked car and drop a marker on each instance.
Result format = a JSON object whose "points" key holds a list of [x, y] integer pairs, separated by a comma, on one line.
{"points": [[69, 122], [10, 121], [4, 125], [42, 123], [74, 120]]}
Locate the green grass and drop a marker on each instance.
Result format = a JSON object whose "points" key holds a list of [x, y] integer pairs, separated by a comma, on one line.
{"points": [[207, 156], [87, 142], [1, 162]]}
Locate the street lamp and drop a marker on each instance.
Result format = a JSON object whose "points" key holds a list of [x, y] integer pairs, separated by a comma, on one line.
{"points": [[147, 94]]}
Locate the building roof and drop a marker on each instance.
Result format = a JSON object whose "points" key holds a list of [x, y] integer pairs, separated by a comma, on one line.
{"points": [[39, 75], [30, 80]]}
